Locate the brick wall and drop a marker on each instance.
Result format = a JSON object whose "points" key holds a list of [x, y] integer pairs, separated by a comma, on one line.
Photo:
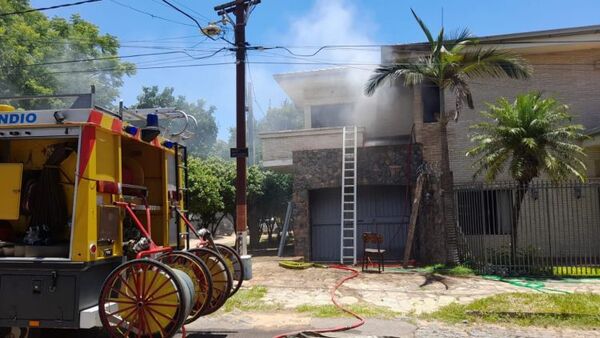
{"points": [[554, 74]]}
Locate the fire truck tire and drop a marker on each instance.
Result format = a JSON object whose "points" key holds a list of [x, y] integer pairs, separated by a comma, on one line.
{"points": [[144, 298], [235, 265], [221, 277], [189, 291], [200, 275]]}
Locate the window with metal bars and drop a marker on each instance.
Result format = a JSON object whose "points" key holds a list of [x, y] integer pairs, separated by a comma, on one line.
{"points": [[484, 212]]}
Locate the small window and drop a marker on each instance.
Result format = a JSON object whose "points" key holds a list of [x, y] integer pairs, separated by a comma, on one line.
{"points": [[484, 212], [332, 115]]}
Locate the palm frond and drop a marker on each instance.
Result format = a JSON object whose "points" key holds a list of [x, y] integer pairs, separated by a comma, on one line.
{"points": [[462, 93], [537, 133], [456, 41], [423, 27], [411, 73], [439, 47], [489, 62]]}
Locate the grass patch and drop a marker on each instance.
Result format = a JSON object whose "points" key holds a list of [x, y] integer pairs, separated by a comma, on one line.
{"points": [[250, 299], [361, 309], [580, 310], [457, 270]]}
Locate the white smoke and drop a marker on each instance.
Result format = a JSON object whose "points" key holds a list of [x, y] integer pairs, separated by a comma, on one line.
{"points": [[335, 22], [327, 23]]}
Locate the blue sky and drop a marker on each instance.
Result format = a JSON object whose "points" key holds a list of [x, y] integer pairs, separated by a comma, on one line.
{"points": [[298, 24]]}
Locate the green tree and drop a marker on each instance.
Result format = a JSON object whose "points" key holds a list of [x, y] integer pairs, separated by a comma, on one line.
{"points": [[528, 137], [272, 204], [450, 63], [205, 194], [36, 50], [205, 136], [212, 192]]}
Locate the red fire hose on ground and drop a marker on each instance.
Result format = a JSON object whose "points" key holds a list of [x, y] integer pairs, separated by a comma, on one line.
{"points": [[339, 283]]}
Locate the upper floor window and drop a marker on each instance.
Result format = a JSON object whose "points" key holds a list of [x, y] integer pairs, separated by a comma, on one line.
{"points": [[332, 115], [430, 95]]}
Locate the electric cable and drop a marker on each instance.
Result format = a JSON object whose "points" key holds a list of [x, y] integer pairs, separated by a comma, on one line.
{"points": [[276, 55], [174, 60], [172, 39], [119, 57], [51, 7], [416, 45], [192, 10], [144, 68], [154, 16], [189, 16]]}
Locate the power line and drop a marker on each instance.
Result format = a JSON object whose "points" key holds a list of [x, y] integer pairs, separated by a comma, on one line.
{"points": [[276, 55], [51, 7], [154, 16], [326, 47], [189, 16], [144, 68], [418, 44], [168, 61], [212, 53], [172, 39], [192, 10], [119, 57], [232, 63]]}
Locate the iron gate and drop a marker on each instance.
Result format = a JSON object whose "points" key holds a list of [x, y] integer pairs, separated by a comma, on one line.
{"points": [[545, 228]]}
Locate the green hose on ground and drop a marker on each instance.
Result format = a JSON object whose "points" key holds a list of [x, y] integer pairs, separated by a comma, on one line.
{"points": [[299, 265], [526, 283]]}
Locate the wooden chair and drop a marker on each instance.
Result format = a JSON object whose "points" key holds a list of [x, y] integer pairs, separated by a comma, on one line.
{"points": [[372, 248]]}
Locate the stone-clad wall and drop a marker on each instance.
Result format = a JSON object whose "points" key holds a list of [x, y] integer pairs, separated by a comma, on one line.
{"points": [[317, 169]]}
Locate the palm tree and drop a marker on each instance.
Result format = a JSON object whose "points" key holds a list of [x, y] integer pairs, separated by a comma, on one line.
{"points": [[529, 137], [450, 63]]}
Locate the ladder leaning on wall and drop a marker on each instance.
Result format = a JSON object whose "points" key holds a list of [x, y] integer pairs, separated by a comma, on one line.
{"points": [[349, 209]]}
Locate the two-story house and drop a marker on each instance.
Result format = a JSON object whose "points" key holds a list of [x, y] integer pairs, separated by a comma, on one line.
{"points": [[397, 132]]}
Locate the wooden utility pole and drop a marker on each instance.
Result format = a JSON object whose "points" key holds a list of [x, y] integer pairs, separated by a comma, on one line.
{"points": [[240, 10]]}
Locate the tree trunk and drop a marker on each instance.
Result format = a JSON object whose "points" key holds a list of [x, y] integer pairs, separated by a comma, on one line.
{"points": [[447, 199], [516, 210], [216, 225], [443, 121]]}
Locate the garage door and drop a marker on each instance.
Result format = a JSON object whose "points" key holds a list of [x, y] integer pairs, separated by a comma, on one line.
{"points": [[381, 209]]}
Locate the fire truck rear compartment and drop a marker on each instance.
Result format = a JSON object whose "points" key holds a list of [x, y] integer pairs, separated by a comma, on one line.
{"points": [[37, 181]]}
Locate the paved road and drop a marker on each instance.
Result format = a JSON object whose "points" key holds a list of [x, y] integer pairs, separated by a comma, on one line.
{"points": [[372, 329]]}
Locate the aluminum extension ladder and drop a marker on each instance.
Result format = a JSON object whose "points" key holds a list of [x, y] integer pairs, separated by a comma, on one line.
{"points": [[348, 214]]}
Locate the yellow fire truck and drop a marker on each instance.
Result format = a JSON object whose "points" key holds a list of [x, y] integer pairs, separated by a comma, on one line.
{"points": [[93, 230]]}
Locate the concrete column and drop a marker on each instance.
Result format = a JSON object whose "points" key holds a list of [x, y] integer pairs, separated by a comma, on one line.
{"points": [[307, 120]]}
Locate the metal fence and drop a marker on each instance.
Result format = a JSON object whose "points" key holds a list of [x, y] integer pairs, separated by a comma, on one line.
{"points": [[545, 228]]}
